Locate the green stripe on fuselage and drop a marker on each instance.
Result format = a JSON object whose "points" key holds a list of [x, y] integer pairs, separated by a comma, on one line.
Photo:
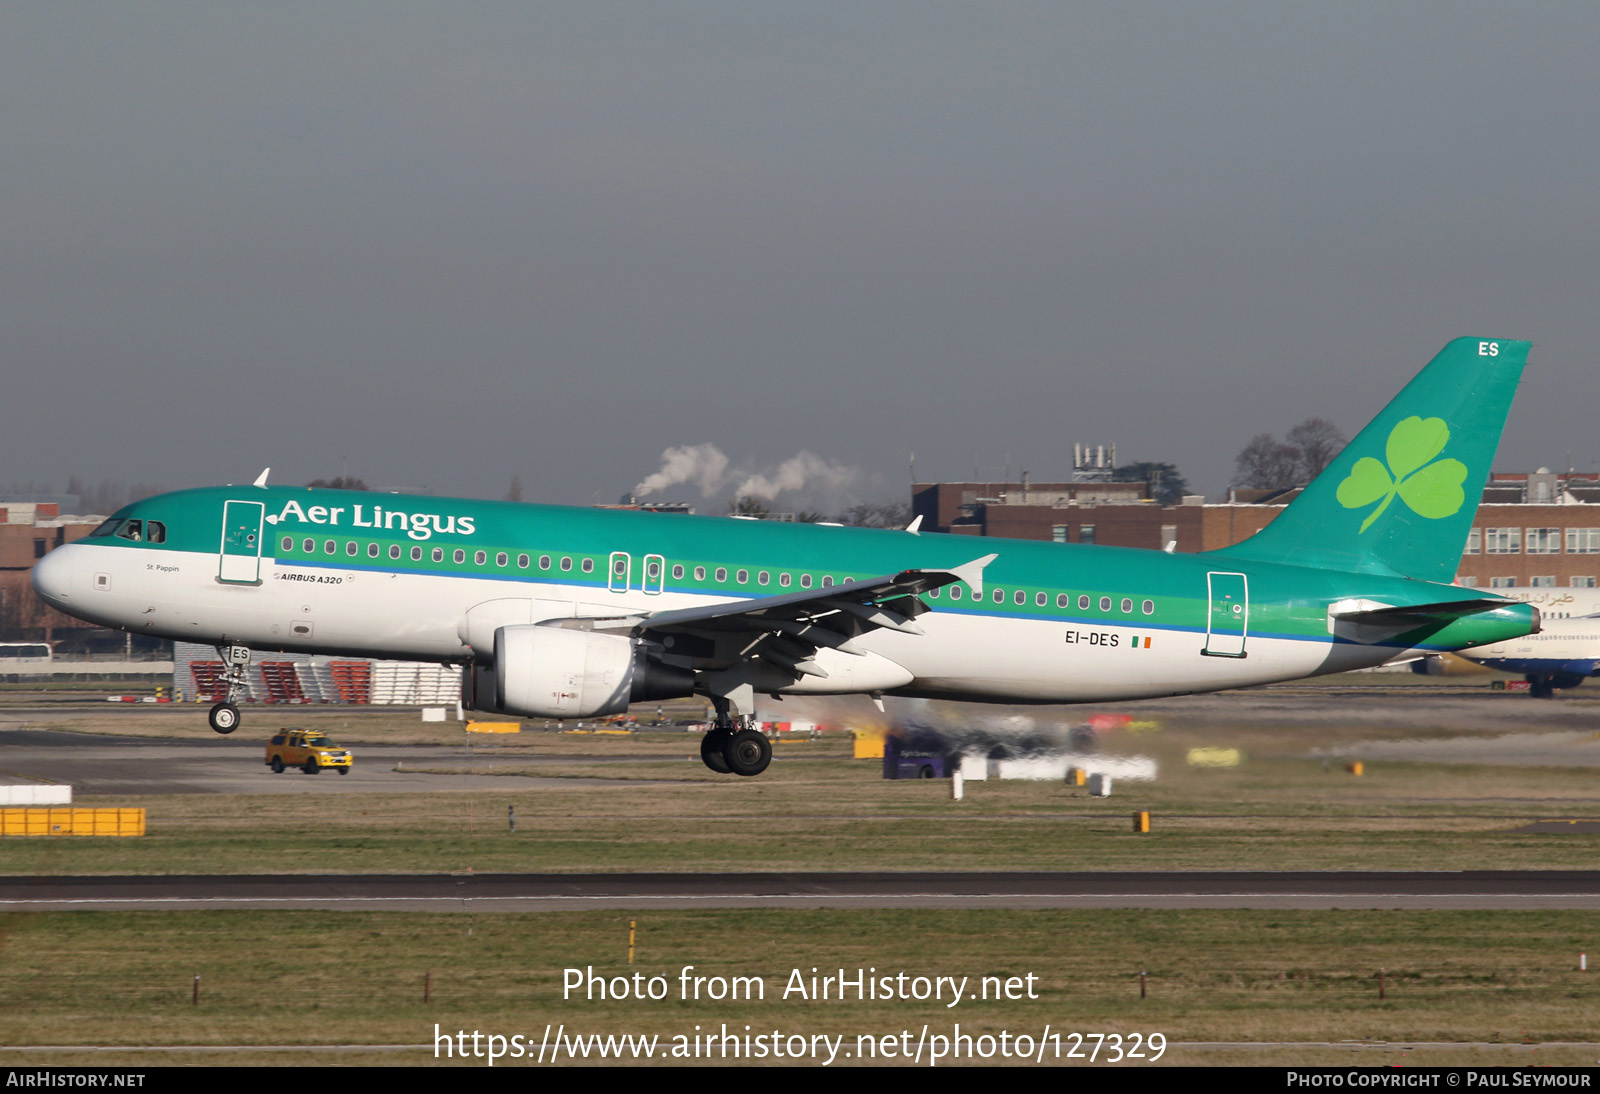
{"points": [[1285, 601]]}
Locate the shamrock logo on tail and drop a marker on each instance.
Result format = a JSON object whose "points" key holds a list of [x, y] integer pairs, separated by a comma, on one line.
{"points": [[1432, 490]]}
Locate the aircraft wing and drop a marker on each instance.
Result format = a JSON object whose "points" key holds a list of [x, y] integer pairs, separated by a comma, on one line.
{"points": [[787, 630]]}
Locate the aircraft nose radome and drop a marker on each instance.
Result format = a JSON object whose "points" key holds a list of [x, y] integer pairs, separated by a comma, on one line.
{"points": [[52, 575]]}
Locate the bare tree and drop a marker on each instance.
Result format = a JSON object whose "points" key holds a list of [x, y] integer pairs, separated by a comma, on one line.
{"points": [[1266, 463], [877, 514], [514, 492], [1319, 441]]}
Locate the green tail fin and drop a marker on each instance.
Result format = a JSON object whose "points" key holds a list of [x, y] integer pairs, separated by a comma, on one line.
{"points": [[1401, 497]]}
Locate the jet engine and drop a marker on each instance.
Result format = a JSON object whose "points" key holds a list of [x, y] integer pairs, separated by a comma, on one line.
{"points": [[556, 672]]}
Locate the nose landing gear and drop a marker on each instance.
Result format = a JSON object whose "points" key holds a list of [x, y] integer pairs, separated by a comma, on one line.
{"points": [[224, 717]]}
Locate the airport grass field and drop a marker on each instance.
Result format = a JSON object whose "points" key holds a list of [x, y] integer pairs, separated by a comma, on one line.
{"points": [[1214, 979]]}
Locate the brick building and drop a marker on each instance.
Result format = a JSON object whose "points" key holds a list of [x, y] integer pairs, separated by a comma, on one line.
{"points": [[28, 530], [1531, 529], [1120, 514]]}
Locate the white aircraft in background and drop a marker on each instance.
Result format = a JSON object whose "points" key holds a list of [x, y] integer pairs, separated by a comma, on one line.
{"points": [[1555, 603], [1562, 655]]}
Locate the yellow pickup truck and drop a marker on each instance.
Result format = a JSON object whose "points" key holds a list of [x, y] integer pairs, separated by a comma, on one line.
{"points": [[308, 750]]}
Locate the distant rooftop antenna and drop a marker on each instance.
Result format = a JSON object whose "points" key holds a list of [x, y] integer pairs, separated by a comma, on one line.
{"points": [[1093, 463]]}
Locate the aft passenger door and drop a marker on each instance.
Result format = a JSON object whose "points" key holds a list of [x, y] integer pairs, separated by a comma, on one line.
{"points": [[239, 562], [1229, 617]]}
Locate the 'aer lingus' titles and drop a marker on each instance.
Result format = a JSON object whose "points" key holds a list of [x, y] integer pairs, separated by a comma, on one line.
{"points": [[415, 525]]}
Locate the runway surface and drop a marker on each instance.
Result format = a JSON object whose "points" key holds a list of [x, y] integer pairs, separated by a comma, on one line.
{"points": [[1477, 889]]}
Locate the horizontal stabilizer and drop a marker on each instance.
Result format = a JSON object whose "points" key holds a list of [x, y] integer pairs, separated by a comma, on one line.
{"points": [[1419, 613]]}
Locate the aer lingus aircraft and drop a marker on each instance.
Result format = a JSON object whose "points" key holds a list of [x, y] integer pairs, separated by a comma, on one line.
{"points": [[562, 613]]}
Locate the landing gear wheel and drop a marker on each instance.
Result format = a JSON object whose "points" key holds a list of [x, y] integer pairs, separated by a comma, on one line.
{"points": [[711, 748], [311, 767], [747, 752], [224, 717], [277, 765]]}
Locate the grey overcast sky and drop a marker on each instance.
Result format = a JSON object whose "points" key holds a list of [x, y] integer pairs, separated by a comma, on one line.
{"points": [[440, 245]]}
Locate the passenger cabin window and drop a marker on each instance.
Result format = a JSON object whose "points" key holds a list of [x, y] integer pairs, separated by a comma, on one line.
{"points": [[1083, 603], [438, 554], [783, 579], [827, 581], [460, 556], [722, 574], [394, 551], [1105, 603], [1040, 600], [677, 572], [309, 546], [762, 578], [350, 548], [416, 554], [1062, 600], [955, 592], [743, 577], [588, 565], [1021, 597], [566, 562], [480, 557], [805, 581], [933, 594], [999, 596], [1127, 606], [544, 562], [699, 573], [1149, 607], [372, 550], [288, 543], [329, 547]]}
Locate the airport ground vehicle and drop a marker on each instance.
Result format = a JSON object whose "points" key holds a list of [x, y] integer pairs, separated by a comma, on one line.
{"points": [[25, 653], [308, 750]]}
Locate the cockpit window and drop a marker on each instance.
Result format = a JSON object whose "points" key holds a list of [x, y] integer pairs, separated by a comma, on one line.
{"points": [[132, 530], [155, 532], [106, 527]]}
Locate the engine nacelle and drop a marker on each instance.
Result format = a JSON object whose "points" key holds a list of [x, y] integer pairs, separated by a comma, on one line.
{"points": [[555, 672]]}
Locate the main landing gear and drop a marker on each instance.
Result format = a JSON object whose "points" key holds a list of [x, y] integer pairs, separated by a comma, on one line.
{"points": [[731, 748], [224, 717]]}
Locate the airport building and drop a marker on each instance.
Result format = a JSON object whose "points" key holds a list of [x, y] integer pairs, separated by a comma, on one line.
{"points": [[28, 531], [1538, 529], [1118, 514]]}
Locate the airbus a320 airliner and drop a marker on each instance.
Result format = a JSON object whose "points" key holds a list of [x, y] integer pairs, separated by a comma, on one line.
{"points": [[564, 613]]}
